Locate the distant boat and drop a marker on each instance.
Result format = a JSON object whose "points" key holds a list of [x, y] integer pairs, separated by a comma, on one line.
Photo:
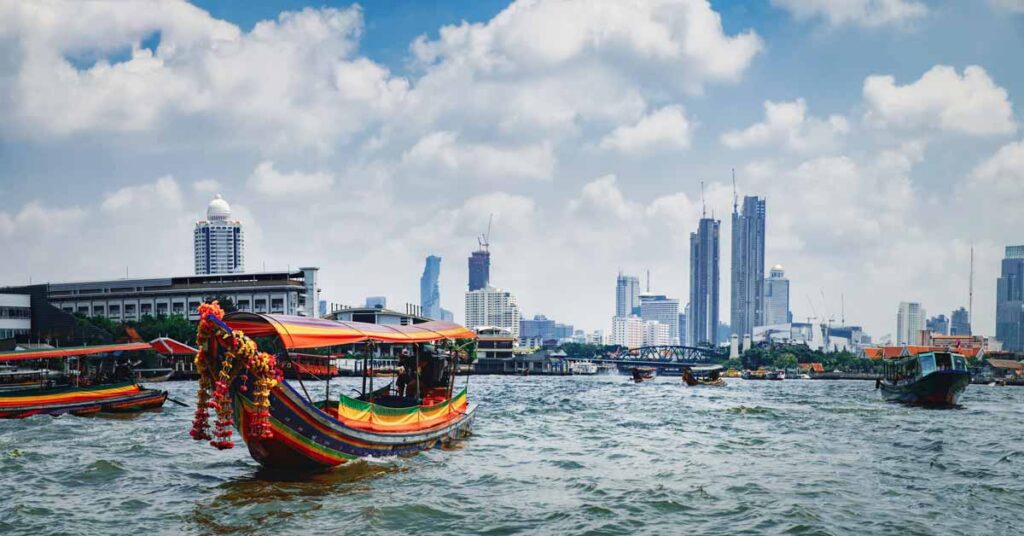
{"points": [[926, 379], [584, 368], [642, 374], [156, 375], [762, 374]]}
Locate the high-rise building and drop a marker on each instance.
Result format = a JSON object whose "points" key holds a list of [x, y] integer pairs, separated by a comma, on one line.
{"points": [[656, 333], [702, 316], [776, 297], [682, 329], [629, 331], [218, 242], [747, 292], [627, 295], [1010, 300], [909, 323], [938, 325], [960, 324], [658, 308], [479, 269], [430, 290], [492, 307]]}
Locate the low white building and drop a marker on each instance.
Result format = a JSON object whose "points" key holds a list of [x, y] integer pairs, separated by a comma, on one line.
{"points": [[15, 315], [629, 331], [492, 307]]}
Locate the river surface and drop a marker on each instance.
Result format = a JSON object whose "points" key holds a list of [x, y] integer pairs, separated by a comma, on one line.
{"points": [[580, 455]]}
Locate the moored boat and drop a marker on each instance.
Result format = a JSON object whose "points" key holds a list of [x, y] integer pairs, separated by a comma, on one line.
{"points": [[926, 379], [288, 431], [75, 393]]}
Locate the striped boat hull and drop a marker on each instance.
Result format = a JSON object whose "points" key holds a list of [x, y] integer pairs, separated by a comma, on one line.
{"points": [[306, 438], [121, 398]]}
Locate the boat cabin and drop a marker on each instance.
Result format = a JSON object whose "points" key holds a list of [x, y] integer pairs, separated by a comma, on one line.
{"points": [[912, 368]]}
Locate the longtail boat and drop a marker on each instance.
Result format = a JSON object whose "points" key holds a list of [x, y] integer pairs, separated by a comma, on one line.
{"points": [[73, 397], [926, 379], [285, 430], [641, 374]]}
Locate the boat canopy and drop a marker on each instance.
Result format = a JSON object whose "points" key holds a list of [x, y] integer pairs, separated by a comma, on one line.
{"points": [[304, 332], [170, 347], [73, 352]]}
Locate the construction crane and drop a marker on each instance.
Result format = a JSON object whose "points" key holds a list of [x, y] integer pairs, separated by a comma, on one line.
{"points": [[813, 310], [485, 239]]}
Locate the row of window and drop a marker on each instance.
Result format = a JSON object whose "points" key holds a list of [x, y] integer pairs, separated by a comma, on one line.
{"points": [[11, 333], [15, 312], [258, 305]]}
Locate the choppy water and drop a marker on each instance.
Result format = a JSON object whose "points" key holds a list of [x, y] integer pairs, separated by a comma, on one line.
{"points": [[594, 455]]}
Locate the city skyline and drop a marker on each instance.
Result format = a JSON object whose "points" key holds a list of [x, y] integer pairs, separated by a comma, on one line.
{"points": [[376, 146]]}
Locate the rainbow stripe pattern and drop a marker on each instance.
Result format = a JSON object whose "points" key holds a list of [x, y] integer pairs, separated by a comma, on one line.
{"points": [[80, 400]]}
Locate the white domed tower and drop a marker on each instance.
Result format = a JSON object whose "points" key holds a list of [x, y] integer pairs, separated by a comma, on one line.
{"points": [[219, 241]]}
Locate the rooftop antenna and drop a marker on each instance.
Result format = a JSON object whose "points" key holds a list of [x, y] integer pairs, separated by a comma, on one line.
{"points": [[648, 280], [970, 289], [485, 239], [703, 207], [735, 198]]}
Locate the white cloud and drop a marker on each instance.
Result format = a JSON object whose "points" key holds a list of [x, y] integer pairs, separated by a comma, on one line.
{"points": [[941, 98], [787, 125], [162, 193], [1003, 171], [860, 12], [443, 152], [267, 180], [663, 129], [206, 186], [1016, 6]]}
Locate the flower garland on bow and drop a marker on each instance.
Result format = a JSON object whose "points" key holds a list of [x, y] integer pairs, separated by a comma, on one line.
{"points": [[215, 394]]}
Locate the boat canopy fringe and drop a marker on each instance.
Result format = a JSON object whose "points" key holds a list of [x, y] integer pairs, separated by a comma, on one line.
{"points": [[304, 332], [364, 415]]}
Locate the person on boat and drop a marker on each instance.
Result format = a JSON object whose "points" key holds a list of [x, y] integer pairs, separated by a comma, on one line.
{"points": [[714, 375]]}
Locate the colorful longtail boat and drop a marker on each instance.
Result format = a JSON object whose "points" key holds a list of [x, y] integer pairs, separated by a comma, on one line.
{"points": [[73, 398], [284, 429]]}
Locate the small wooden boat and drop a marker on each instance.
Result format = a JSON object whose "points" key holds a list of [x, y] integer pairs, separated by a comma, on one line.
{"points": [[926, 379], [285, 430], [73, 397], [762, 374], [703, 376], [642, 374], [157, 375]]}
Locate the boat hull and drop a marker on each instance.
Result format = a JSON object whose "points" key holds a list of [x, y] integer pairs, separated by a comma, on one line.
{"points": [[80, 401], [305, 438], [939, 389]]}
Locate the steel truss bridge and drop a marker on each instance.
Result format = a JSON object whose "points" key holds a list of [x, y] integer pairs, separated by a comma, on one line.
{"points": [[664, 358]]}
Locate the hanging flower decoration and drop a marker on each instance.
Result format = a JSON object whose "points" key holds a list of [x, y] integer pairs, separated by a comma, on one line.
{"points": [[237, 355]]}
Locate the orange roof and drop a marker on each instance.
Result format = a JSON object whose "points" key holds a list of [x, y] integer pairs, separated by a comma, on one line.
{"points": [[1006, 364], [886, 352], [816, 367]]}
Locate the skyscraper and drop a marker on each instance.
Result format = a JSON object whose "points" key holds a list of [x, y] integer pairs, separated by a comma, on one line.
{"points": [[776, 297], [430, 290], [627, 295], [479, 269], [909, 323], [659, 308], [938, 325], [960, 324], [218, 242], [702, 317], [492, 307], [747, 292], [1010, 300]]}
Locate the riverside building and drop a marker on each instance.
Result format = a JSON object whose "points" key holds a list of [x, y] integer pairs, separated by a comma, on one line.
{"points": [[219, 243], [1010, 300]]}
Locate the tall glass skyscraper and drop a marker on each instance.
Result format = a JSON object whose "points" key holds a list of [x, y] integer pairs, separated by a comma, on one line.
{"points": [[627, 295], [1010, 300], [747, 292], [219, 244], [702, 317], [479, 269], [430, 290]]}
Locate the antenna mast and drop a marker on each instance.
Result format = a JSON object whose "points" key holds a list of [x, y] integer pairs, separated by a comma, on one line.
{"points": [[648, 280], [703, 207], [970, 291]]}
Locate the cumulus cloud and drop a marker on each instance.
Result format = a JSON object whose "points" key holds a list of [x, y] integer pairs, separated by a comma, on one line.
{"points": [[34, 217], [162, 193], [858, 12], [267, 180], [206, 186], [787, 125], [663, 129], [442, 151], [1004, 170], [971, 103]]}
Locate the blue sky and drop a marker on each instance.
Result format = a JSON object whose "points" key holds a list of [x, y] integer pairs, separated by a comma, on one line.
{"points": [[585, 127]]}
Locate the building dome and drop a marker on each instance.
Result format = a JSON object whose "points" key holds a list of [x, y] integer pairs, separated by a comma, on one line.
{"points": [[218, 209], [777, 267]]}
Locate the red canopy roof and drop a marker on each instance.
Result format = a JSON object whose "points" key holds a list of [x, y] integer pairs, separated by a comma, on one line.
{"points": [[169, 346], [73, 352], [303, 332]]}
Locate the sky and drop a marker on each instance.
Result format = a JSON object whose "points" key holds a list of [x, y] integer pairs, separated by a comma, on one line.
{"points": [[360, 138]]}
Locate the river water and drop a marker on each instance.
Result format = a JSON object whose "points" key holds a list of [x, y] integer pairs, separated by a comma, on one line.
{"points": [[580, 455]]}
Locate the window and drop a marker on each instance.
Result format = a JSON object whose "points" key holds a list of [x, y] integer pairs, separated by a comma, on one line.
{"points": [[243, 305], [261, 305], [146, 308], [98, 310], [927, 362], [277, 305], [161, 308]]}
